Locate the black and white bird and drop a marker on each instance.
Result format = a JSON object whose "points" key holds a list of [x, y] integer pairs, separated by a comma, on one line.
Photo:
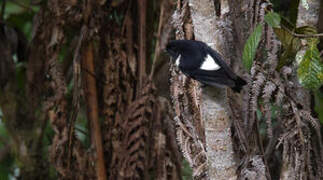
{"points": [[200, 62]]}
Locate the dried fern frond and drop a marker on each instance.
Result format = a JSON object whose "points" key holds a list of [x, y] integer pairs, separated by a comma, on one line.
{"points": [[259, 81], [137, 136], [272, 46], [269, 88], [306, 115], [256, 89]]}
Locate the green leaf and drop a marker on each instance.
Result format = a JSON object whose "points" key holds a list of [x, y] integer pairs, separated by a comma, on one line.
{"points": [[250, 47], [286, 57], [291, 45], [287, 39], [310, 69], [273, 19], [308, 30]]}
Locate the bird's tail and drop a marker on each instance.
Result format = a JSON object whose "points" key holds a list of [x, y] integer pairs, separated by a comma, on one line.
{"points": [[239, 82]]}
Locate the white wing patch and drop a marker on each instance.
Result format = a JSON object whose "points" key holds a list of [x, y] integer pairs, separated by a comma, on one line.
{"points": [[177, 60], [209, 64]]}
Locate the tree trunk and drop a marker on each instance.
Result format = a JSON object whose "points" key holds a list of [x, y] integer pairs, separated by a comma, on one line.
{"points": [[214, 107]]}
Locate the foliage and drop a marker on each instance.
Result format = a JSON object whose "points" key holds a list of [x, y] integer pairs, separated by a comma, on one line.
{"points": [[273, 19], [291, 44], [273, 84], [250, 48], [310, 69]]}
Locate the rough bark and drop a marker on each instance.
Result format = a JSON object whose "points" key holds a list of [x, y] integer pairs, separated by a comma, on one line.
{"points": [[308, 16], [214, 108], [219, 145]]}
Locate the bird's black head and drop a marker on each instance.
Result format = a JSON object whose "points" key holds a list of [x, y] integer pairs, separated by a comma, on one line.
{"points": [[183, 47], [173, 49]]}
